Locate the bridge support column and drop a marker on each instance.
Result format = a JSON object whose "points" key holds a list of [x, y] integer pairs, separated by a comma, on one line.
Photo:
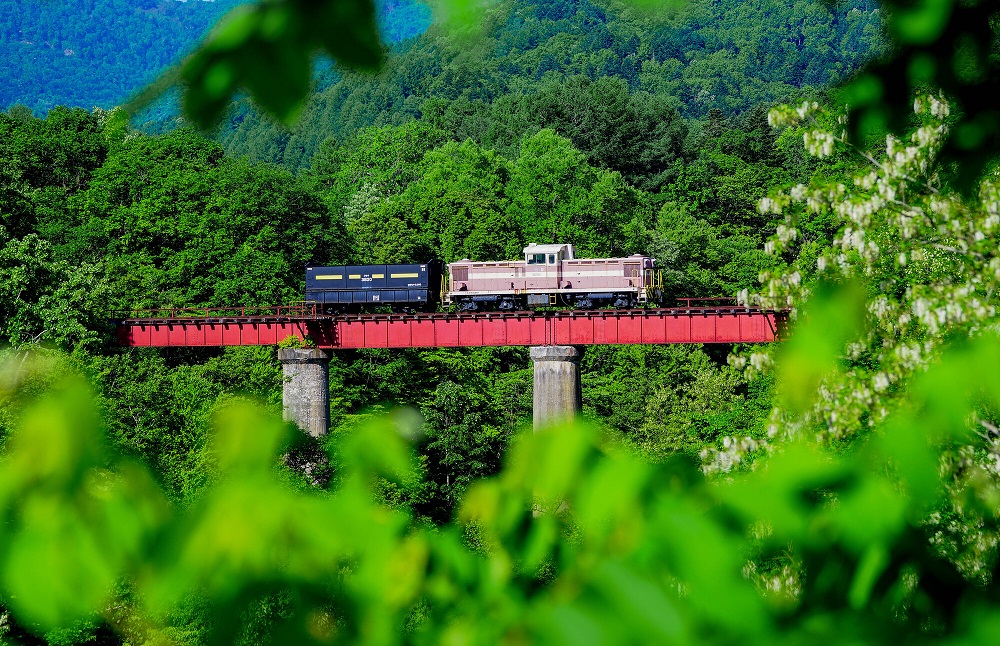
{"points": [[556, 394], [306, 393]]}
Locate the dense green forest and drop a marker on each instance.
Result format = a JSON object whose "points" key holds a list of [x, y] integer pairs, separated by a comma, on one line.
{"points": [[528, 66], [99, 219], [577, 121]]}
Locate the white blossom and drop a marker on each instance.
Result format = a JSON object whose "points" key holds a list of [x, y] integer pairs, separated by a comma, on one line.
{"points": [[949, 247]]}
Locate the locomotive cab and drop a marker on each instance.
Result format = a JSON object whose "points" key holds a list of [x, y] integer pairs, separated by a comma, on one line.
{"points": [[547, 254]]}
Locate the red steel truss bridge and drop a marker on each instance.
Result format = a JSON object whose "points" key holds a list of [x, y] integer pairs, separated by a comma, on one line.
{"points": [[691, 321]]}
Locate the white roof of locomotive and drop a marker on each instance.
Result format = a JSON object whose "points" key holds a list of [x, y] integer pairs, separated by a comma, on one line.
{"points": [[550, 248], [547, 249]]}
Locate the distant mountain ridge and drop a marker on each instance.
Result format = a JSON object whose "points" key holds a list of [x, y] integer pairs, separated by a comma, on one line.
{"points": [[87, 53], [710, 55]]}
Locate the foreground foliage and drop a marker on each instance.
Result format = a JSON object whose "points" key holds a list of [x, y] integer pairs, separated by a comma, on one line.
{"points": [[574, 541]]}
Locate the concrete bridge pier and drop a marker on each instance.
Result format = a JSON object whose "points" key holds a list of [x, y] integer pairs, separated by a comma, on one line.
{"points": [[306, 393], [556, 392]]}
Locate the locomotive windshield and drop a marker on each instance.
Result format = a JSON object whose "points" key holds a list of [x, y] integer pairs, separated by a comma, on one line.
{"points": [[536, 258]]}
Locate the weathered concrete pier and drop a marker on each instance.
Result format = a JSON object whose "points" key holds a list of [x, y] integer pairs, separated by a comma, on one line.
{"points": [[306, 392], [556, 392]]}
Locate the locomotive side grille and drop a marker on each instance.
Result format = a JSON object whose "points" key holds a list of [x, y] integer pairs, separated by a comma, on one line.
{"points": [[460, 273]]}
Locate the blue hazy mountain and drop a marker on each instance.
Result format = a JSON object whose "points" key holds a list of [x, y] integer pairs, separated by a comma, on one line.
{"points": [[98, 52]]}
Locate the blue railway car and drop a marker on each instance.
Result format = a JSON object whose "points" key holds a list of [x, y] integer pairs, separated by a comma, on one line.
{"points": [[350, 287]]}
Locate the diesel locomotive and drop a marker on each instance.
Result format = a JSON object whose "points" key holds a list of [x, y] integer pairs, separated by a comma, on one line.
{"points": [[550, 275]]}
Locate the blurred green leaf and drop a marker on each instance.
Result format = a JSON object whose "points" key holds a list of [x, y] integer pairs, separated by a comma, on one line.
{"points": [[243, 441], [55, 572], [642, 603], [938, 45], [834, 314], [564, 448], [267, 49], [72, 527], [379, 448], [235, 29], [873, 562], [921, 22]]}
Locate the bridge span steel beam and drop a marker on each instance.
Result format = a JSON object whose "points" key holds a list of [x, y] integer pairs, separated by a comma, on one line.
{"points": [[600, 327]]}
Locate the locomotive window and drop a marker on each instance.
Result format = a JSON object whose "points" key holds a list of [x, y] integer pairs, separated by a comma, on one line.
{"points": [[552, 259], [536, 258]]}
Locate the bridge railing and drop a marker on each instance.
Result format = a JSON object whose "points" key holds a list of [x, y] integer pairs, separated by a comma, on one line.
{"points": [[709, 303], [296, 311]]}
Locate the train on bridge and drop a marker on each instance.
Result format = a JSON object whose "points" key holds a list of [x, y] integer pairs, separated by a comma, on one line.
{"points": [[550, 275], [576, 301]]}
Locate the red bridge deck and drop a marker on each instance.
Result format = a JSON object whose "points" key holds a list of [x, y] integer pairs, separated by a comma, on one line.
{"points": [[174, 328]]}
